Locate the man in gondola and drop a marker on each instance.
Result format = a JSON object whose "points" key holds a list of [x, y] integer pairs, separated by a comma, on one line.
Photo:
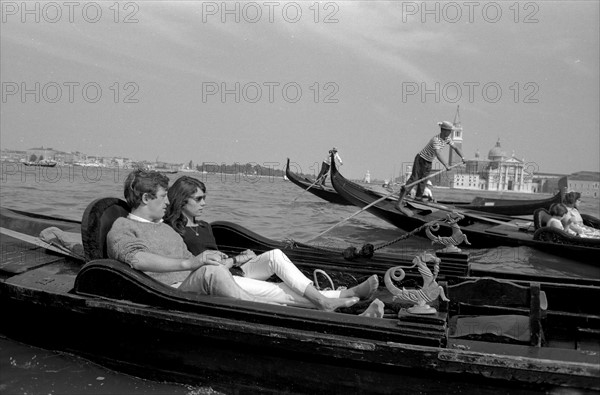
{"points": [[423, 160], [145, 242], [327, 165]]}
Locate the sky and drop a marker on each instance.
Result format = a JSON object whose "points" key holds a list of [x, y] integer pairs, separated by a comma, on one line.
{"points": [[259, 82]]}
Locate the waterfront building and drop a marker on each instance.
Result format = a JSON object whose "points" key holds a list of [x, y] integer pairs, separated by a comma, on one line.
{"points": [[457, 138], [586, 182], [499, 172], [10, 155]]}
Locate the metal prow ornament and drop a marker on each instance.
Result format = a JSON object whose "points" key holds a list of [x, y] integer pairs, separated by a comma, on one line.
{"points": [[450, 242], [428, 293]]}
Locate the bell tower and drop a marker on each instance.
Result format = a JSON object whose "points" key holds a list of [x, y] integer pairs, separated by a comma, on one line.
{"points": [[457, 138]]}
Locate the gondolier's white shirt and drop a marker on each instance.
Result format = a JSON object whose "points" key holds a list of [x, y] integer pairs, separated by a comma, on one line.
{"points": [[436, 143], [336, 156]]}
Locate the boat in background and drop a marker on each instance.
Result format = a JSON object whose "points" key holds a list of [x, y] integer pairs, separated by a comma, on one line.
{"points": [[512, 207], [121, 318], [41, 163], [482, 230], [321, 191], [501, 206]]}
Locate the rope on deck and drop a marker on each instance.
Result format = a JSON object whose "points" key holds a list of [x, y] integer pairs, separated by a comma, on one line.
{"points": [[367, 250]]}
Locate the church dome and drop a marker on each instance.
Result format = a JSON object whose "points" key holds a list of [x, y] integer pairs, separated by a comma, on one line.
{"points": [[496, 152]]}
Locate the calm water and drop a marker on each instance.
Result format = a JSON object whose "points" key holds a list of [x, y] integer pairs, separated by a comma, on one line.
{"points": [[263, 204]]}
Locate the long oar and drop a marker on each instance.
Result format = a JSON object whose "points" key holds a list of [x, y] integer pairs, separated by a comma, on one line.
{"points": [[310, 186], [468, 213], [385, 197]]}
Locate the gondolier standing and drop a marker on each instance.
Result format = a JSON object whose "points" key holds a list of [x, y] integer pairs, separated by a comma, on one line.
{"points": [[423, 160], [327, 164]]}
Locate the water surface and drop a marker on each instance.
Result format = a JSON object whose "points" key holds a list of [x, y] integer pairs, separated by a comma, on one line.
{"points": [[263, 204]]}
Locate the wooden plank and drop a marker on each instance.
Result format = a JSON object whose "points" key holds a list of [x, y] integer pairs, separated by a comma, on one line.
{"points": [[523, 355], [34, 241], [57, 278], [21, 252], [16, 259]]}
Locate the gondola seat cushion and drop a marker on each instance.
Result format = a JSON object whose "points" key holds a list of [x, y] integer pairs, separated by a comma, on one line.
{"points": [[97, 220]]}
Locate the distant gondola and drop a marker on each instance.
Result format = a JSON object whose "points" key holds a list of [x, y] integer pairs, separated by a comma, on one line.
{"points": [[324, 192], [511, 207], [482, 230], [40, 164]]}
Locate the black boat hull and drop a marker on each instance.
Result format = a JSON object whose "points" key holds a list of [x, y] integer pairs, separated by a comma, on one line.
{"points": [[320, 191]]}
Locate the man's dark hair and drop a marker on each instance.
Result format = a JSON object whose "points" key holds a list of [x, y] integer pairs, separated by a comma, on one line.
{"points": [[558, 209], [141, 181]]}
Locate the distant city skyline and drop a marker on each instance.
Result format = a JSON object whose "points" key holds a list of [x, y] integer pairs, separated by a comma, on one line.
{"points": [[276, 166], [260, 82]]}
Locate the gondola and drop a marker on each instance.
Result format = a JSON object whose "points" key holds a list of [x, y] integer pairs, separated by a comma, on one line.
{"points": [[308, 185], [105, 311], [481, 230], [509, 207], [497, 206], [41, 163]]}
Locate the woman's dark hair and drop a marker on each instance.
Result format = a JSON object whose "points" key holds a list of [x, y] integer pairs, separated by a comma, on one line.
{"points": [[179, 193], [558, 209], [141, 181], [571, 197]]}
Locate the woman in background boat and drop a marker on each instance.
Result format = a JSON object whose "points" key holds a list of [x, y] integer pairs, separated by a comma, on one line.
{"points": [[326, 165], [187, 197], [571, 201]]}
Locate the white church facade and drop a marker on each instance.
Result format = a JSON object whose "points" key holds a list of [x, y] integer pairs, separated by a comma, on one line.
{"points": [[499, 172]]}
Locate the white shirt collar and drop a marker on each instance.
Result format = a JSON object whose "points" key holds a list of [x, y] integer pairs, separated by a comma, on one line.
{"points": [[140, 219]]}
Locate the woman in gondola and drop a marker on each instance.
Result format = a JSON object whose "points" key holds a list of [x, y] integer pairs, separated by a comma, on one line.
{"points": [[573, 217], [187, 197]]}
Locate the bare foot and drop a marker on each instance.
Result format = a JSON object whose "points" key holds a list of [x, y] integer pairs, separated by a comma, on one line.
{"points": [[375, 309], [331, 304], [364, 290]]}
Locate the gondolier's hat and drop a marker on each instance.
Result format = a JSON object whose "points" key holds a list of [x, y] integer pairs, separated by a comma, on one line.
{"points": [[334, 149], [446, 125]]}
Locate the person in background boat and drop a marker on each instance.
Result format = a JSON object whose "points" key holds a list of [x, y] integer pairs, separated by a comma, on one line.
{"points": [[327, 164], [572, 200], [558, 211], [427, 194], [187, 197], [423, 160]]}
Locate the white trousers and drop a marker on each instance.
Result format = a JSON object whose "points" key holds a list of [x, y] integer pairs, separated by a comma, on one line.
{"points": [[289, 292]]}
